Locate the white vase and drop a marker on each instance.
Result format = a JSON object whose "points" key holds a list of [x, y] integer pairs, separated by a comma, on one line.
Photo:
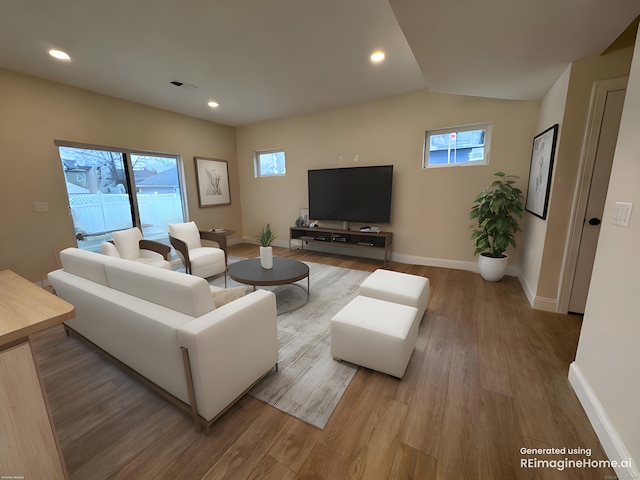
{"points": [[266, 257], [492, 269]]}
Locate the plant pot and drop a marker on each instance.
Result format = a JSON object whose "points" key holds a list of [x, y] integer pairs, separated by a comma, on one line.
{"points": [[266, 257], [492, 269]]}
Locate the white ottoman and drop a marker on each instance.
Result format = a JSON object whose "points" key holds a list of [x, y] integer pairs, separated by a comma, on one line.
{"points": [[396, 287], [375, 334]]}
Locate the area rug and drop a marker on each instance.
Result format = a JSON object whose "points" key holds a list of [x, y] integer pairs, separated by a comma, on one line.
{"points": [[309, 383]]}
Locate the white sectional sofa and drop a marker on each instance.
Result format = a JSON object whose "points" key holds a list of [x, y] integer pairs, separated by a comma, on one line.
{"points": [[164, 326]]}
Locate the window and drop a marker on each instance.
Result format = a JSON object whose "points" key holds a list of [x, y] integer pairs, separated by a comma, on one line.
{"points": [[454, 146], [111, 189], [269, 163]]}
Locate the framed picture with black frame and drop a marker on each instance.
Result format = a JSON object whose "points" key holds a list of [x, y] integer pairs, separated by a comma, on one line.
{"points": [[542, 156], [212, 176]]}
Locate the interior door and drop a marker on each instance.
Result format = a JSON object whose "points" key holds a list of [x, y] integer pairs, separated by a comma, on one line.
{"points": [[597, 196]]}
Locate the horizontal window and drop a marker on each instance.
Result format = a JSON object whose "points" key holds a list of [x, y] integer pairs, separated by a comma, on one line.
{"points": [[454, 146], [269, 163]]}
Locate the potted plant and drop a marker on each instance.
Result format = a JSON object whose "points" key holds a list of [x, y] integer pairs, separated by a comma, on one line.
{"points": [[496, 211], [265, 239]]}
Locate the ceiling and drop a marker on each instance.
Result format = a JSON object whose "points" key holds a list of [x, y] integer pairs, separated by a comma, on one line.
{"points": [[262, 60]]}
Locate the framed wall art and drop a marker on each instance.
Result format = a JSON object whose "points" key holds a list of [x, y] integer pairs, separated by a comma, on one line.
{"points": [[212, 177], [543, 153]]}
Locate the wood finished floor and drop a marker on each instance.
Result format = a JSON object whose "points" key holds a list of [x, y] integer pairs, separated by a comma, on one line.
{"points": [[488, 377]]}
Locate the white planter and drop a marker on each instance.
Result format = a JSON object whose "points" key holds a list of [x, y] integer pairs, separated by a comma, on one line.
{"points": [[492, 269], [266, 257]]}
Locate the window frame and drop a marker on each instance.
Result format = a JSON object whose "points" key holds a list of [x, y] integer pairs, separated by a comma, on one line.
{"points": [[128, 161], [256, 162], [486, 126]]}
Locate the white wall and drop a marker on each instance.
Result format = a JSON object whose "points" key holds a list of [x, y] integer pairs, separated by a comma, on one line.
{"points": [[605, 373]]}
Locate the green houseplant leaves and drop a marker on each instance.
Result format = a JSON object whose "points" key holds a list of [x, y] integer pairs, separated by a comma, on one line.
{"points": [[496, 211], [266, 237]]}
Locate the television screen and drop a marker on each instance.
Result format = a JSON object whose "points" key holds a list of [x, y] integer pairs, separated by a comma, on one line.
{"points": [[355, 194]]}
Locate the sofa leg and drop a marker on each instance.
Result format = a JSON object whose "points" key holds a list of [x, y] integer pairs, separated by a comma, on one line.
{"points": [[191, 390]]}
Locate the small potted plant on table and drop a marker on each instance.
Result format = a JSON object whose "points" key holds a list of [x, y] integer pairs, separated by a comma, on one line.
{"points": [[496, 211], [266, 238]]}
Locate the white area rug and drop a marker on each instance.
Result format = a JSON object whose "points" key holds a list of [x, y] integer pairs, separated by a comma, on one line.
{"points": [[309, 383]]}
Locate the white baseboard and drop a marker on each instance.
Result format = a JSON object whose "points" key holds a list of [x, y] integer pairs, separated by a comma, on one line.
{"points": [[546, 304], [605, 430], [512, 270], [538, 303]]}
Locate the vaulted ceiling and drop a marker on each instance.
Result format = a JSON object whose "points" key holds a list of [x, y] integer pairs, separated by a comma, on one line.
{"points": [[262, 60]]}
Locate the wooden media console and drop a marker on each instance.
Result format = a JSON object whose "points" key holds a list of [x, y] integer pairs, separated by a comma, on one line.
{"points": [[364, 240]]}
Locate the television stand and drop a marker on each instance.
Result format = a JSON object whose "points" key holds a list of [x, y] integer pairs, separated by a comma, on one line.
{"points": [[373, 241]]}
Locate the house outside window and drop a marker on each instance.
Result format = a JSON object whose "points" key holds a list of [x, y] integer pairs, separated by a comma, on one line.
{"points": [[269, 163], [114, 189], [457, 146]]}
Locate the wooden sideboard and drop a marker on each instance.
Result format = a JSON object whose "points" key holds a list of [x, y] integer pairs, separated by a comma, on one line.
{"points": [[28, 444], [363, 240]]}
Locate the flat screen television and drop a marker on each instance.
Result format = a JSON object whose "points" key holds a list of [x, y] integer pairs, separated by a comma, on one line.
{"points": [[354, 194]]}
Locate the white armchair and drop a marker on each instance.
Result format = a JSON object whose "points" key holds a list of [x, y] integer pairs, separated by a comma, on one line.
{"points": [[198, 260], [130, 245]]}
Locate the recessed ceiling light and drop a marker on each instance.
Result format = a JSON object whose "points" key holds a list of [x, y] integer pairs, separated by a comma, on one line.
{"points": [[59, 54], [377, 56], [213, 104]]}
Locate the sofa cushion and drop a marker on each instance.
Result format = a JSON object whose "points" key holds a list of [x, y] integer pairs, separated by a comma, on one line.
{"points": [[183, 293], [85, 264]]}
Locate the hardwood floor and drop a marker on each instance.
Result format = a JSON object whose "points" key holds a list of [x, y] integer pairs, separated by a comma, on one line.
{"points": [[487, 378]]}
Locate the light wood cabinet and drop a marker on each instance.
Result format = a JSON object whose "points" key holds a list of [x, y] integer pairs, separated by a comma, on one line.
{"points": [[28, 444]]}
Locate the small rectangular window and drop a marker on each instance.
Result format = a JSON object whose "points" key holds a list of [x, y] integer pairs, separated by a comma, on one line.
{"points": [[454, 146], [269, 163]]}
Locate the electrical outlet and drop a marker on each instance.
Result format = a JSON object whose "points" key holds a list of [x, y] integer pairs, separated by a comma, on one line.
{"points": [[41, 207]]}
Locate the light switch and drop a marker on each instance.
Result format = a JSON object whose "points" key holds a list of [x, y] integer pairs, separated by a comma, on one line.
{"points": [[622, 214], [41, 207]]}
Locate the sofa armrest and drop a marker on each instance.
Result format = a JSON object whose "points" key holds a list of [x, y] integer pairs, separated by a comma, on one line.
{"points": [[229, 349]]}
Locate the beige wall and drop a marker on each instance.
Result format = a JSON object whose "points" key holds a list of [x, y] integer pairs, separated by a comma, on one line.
{"points": [[430, 206], [535, 229], [550, 240], [583, 74], [34, 113], [606, 365]]}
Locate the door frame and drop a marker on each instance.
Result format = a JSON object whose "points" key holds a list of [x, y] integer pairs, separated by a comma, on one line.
{"points": [[599, 94]]}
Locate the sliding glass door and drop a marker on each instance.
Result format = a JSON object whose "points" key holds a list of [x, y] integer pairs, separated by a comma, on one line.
{"points": [[111, 190]]}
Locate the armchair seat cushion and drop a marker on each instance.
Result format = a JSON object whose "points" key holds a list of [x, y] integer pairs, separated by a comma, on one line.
{"points": [[198, 260], [155, 261], [207, 261], [126, 244]]}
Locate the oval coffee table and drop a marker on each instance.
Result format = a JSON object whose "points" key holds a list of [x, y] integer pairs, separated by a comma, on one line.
{"points": [[284, 271]]}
